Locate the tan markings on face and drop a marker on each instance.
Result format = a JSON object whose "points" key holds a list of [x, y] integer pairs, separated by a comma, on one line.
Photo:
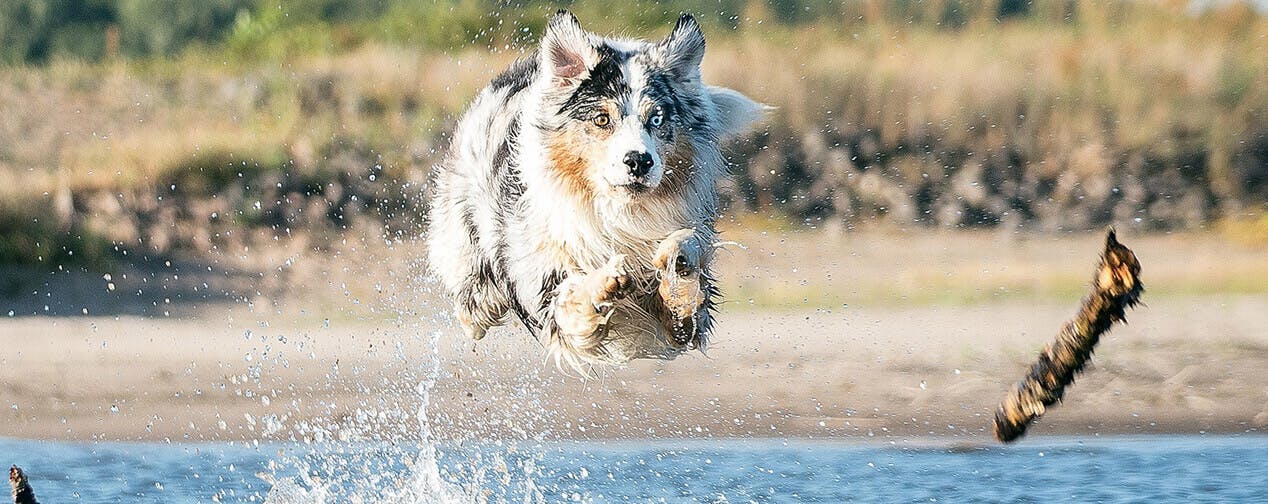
{"points": [[568, 149], [577, 147]]}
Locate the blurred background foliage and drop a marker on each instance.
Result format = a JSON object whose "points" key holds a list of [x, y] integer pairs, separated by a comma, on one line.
{"points": [[168, 127], [37, 31]]}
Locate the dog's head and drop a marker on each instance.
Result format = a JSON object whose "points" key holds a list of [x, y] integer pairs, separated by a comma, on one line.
{"points": [[625, 118]]}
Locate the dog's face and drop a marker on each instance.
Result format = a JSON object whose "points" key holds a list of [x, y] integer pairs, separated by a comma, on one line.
{"points": [[621, 118]]}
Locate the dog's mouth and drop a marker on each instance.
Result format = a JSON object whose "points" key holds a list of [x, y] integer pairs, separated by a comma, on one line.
{"points": [[637, 187]]}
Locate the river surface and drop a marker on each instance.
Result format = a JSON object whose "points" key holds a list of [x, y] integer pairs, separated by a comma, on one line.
{"points": [[1097, 469]]}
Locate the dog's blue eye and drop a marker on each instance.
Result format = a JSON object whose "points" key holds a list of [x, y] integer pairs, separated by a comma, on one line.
{"points": [[656, 120]]}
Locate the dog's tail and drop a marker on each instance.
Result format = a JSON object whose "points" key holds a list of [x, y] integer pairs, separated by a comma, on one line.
{"points": [[22, 492]]}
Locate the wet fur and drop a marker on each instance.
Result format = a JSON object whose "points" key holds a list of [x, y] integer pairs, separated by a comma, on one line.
{"points": [[532, 218], [22, 492]]}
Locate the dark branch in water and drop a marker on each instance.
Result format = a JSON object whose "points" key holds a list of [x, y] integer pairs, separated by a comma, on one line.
{"points": [[1115, 288], [22, 493]]}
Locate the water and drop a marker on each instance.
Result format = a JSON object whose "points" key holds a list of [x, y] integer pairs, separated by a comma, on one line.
{"points": [[1113, 469]]}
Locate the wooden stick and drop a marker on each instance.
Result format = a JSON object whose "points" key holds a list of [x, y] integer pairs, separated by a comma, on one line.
{"points": [[1115, 288]]}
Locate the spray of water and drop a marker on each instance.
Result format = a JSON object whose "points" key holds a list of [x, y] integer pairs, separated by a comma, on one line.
{"points": [[388, 449]]}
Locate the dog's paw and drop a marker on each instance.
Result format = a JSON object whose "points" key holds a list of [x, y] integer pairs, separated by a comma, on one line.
{"points": [[472, 329], [612, 281], [584, 302], [680, 254], [679, 259]]}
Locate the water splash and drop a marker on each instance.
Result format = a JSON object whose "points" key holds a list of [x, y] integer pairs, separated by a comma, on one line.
{"points": [[341, 471], [427, 484]]}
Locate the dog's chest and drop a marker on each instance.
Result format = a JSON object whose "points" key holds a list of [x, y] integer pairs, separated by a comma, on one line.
{"points": [[588, 249], [574, 236]]}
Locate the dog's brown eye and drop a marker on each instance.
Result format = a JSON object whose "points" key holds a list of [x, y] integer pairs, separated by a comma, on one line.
{"points": [[602, 120]]}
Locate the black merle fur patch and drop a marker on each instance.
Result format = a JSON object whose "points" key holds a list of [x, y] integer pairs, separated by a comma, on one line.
{"points": [[661, 92], [605, 82], [529, 321], [549, 285], [517, 77], [545, 296], [686, 109], [506, 173], [468, 221]]}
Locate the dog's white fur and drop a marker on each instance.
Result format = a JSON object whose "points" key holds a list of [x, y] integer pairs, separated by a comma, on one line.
{"points": [[539, 212]]}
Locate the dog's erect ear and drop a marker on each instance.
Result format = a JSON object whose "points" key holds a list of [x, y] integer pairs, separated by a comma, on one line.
{"points": [[566, 52], [736, 112], [684, 48]]}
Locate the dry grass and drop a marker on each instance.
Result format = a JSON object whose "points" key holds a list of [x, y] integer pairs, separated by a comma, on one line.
{"points": [[119, 125], [1158, 118], [1126, 114], [829, 269]]}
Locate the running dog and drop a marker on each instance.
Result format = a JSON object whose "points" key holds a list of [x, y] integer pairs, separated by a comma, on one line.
{"points": [[579, 195]]}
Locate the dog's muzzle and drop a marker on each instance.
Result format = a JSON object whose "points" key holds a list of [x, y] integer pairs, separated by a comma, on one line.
{"points": [[638, 164]]}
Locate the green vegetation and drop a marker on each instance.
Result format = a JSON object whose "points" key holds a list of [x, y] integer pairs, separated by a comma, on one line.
{"points": [[171, 127], [37, 31]]}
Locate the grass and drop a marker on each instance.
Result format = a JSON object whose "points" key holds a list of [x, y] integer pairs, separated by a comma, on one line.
{"points": [[1250, 230], [936, 116], [826, 269], [1066, 105]]}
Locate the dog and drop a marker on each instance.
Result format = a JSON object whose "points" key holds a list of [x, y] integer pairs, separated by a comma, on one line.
{"points": [[579, 196], [22, 493]]}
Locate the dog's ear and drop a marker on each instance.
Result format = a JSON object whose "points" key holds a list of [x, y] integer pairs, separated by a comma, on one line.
{"points": [[736, 112], [684, 48], [566, 52]]}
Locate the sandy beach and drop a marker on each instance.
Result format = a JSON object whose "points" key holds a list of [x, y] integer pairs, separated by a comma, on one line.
{"points": [[823, 334], [1182, 365]]}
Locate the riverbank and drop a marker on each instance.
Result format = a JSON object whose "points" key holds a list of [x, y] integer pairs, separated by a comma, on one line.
{"points": [[1183, 365]]}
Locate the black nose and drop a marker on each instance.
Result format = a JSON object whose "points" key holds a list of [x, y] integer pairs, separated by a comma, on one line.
{"points": [[638, 162]]}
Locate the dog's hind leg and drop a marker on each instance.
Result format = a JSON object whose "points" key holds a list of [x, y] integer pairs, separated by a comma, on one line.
{"points": [[481, 303], [685, 289], [463, 268]]}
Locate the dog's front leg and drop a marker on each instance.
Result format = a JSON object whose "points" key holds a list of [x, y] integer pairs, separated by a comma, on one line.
{"points": [[685, 289], [583, 303]]}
